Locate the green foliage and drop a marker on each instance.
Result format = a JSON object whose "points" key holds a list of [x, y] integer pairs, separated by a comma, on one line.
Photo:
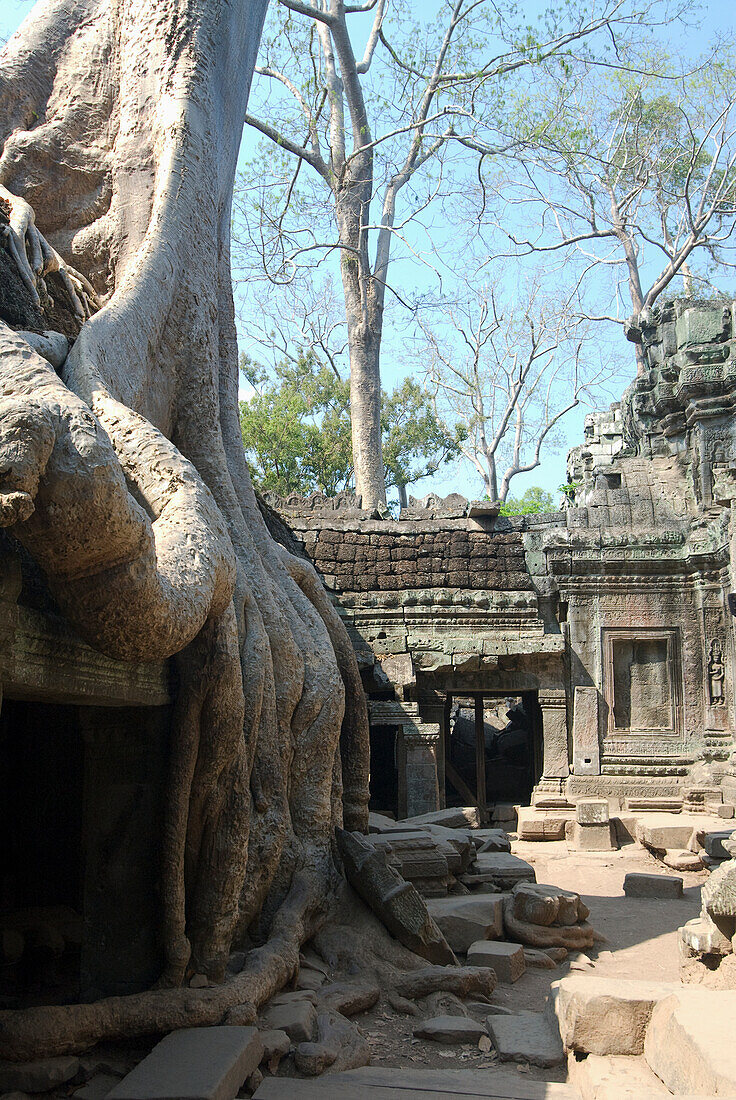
{"points": [[296, 429], [532, 501], [569, 489]]}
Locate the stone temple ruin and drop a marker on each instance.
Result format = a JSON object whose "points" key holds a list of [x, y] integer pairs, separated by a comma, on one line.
{"points": [[561, 677], [564, 677], [606, 628]]}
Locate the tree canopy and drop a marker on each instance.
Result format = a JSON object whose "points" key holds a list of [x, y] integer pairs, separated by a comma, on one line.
{"points": [[297, 432]]}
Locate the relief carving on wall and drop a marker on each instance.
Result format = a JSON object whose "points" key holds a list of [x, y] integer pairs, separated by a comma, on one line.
{"points": [[716, 675]]}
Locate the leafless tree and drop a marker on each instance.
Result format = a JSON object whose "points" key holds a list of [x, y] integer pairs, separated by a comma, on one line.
{"points": [[510, 373], [352, 128], [638, 176]]}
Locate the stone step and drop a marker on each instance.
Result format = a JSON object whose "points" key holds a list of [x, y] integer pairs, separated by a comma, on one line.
{"points": [[605, 1015], [615, 1077], [379, 1083], [689, 1042], [197, 1063]]}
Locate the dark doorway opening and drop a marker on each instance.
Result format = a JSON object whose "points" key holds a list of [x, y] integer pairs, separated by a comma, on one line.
{"points": [[384, 782], [493, 748], [41, 865]]}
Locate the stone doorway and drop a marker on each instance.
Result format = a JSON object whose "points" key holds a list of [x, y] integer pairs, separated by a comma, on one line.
{"points": [[493, 748], [384, 778], [81, 791]]}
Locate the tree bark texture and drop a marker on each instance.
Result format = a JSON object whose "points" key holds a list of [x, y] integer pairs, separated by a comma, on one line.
{"points": [[123, 474]]}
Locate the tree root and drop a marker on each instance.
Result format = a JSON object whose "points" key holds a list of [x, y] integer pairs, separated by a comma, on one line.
{"points": [[48, 1031], [34, 257]]}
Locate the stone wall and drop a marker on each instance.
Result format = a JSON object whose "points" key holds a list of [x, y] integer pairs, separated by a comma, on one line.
{"points": [[390, 557], [615, 612]]}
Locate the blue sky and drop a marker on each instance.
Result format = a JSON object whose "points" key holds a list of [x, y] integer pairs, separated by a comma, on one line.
{"points": [[396, 363]]}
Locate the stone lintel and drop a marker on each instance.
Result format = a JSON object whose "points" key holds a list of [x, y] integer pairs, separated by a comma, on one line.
{"points": [[47, 662]]}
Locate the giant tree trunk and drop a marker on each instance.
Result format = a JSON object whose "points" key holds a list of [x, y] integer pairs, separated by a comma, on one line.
{"points": [[125, 478], [364, 316]]}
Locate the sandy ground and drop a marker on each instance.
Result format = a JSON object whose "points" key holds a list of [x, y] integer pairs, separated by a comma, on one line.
{"points": [[641, 942]]}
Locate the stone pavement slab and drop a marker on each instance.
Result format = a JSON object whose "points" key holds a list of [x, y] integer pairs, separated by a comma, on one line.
{"points": [[197, 1063], [532, 1037], [386, 1083]]}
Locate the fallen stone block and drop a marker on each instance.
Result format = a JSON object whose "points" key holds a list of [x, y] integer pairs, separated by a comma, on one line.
{"points": [[507, 959], [40, 1076], [450, 1029], [534, 956], [537, 903], [605, 1015], [592, 811], [297, 1018], [276, 1045], [615, 1077], [395, 902], [197, 1063], [455, 817], [701, 936], [568, 937], [536, 824], [503, 869], [494, 840], [720, 809], [529, 1037], [689, 1042], [719, 895], [713, 843], [652, 886], [459, 839], [466, 918], [661, 831], [379, 823], [680, 859]]}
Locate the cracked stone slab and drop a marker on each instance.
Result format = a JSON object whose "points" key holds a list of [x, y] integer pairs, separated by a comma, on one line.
{"points": [[197, 1063], [529, 1037]]}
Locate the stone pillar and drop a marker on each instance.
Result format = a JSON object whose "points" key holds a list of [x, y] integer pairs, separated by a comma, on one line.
{"points": [[438, 711], [419, 791], [556, 765], [586, 753]]}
